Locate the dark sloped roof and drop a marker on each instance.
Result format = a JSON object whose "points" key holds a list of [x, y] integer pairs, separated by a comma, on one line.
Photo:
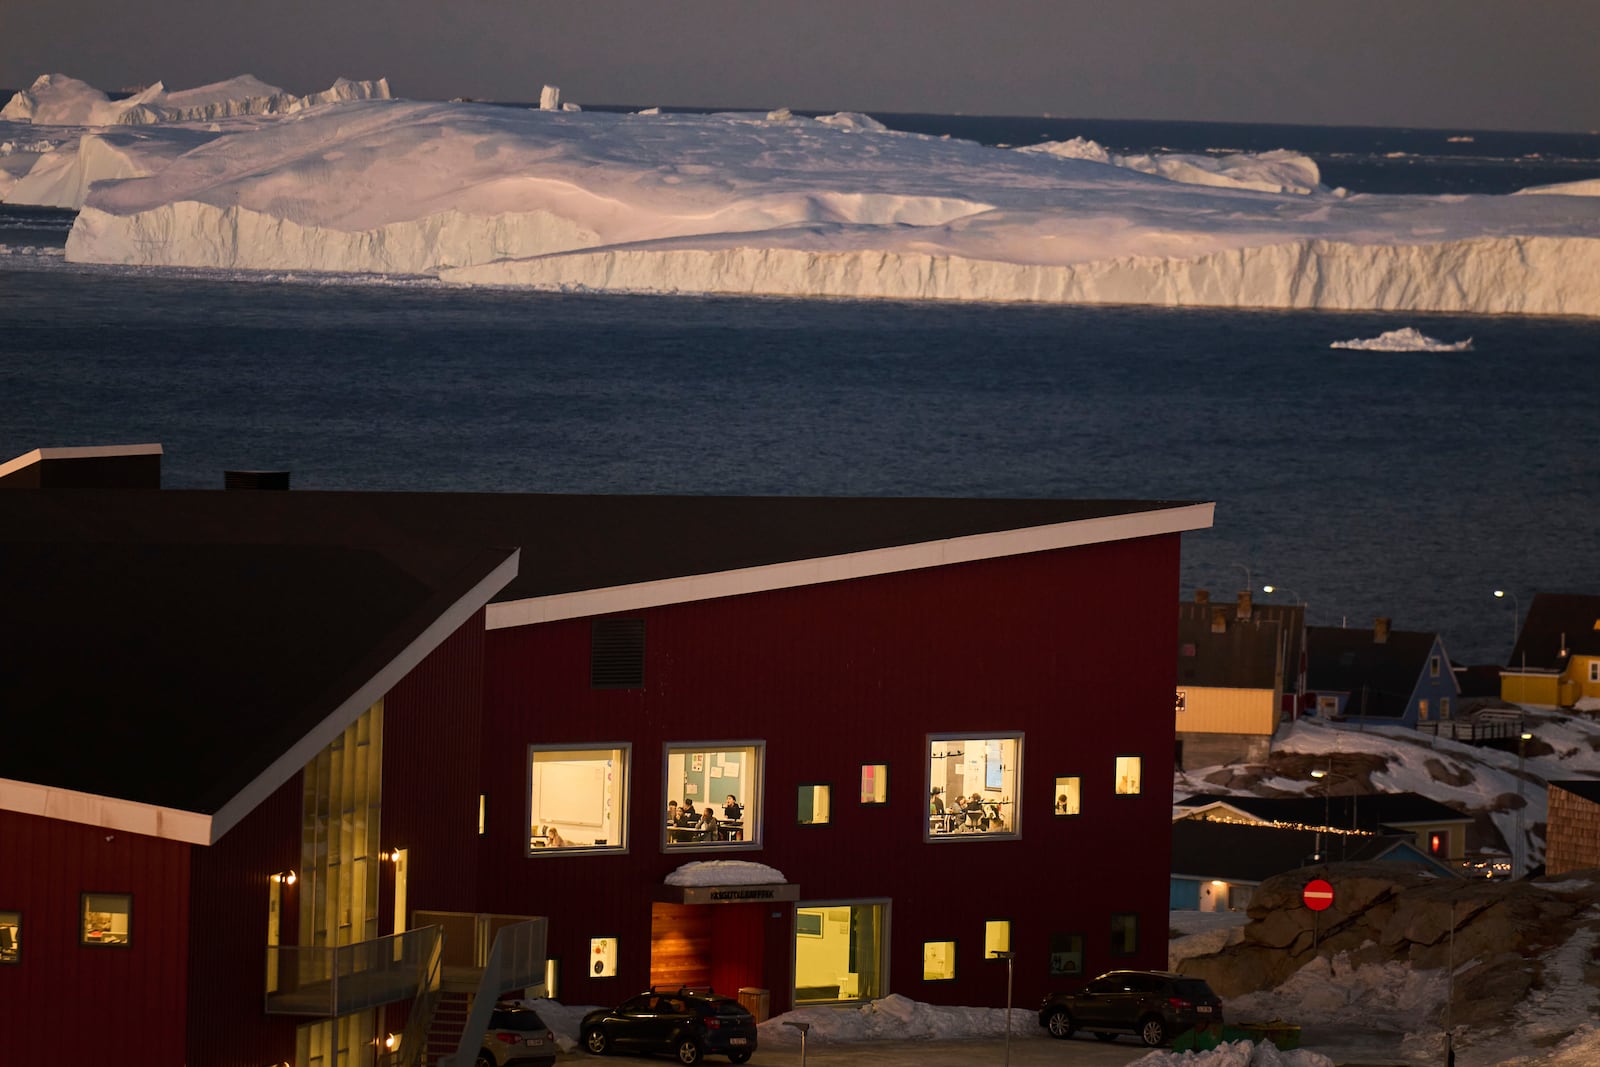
{"points": [[1368, 811], [173, 674], [1240, 852], [575, 542], [1554, 618], [165, 646], [1253, 653], [1587, 788], [1380, 678]]}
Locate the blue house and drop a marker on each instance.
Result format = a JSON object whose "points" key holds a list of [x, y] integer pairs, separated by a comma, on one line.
{"points": [[1382, 675]]}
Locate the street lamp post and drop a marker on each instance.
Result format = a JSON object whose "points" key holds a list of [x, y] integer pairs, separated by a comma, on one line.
{"points": [[1327, 772], [1007, 956], [1516, 618], [1519, 847], [802, 1027], [1248, 584], [1281, 589]]}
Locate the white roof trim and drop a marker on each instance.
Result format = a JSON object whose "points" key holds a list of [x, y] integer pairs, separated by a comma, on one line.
{"points": [[586, 602], [294, 760], [38, 455], [109, 813]]}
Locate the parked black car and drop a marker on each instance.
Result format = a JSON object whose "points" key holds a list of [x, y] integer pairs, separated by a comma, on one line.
{"points": [[517, 1037], [687, 1024], [1154, 1005]]}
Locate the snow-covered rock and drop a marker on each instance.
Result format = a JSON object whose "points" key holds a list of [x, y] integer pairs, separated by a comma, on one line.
{"points": [[1407, 339]]}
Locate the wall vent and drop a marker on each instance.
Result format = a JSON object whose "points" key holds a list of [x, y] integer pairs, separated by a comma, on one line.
{"points": [[616, 654]]}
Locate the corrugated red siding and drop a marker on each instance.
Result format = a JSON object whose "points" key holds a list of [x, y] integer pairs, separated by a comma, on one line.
{"points": [[137, 991], [1074, 648], [228, 1024], [431, 757]]}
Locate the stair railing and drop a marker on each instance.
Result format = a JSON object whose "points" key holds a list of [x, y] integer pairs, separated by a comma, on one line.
{"points": [[413, 1047], [516, 960]]}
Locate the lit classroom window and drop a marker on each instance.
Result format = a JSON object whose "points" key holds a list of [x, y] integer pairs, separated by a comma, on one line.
{"points": [[813, 805], [713, 795], [938, 961], [874, 783], [1128, 774], [577, 799], [972, 784], [1069, 795], [107, 918], [840, 951], [10, 937]]}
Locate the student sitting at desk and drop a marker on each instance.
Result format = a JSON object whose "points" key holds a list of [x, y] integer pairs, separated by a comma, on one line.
{"points": [[708, 825], [732, 809]]}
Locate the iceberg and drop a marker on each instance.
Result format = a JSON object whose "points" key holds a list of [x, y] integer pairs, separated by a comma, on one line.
{"points": [[57, 100], [774, 203], [1408, 339], [1278, 171]]}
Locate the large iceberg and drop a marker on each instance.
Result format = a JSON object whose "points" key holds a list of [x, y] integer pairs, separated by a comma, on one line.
{"points": [[777, 204]]}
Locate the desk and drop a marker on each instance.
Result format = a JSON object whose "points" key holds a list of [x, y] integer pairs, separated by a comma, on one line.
{"points": [[730, 830]]}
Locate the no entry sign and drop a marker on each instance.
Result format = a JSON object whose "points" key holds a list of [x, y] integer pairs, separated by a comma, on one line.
{"points": [[1317, 894]]}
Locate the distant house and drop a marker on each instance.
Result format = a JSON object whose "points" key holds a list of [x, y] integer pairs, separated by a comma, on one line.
{"points": [[1437, 830], [1238, 672], [1572, 835], [1395, 677], [1217, 865], [1557, 657]]}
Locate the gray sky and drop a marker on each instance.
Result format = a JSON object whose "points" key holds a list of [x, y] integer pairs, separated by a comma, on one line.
{"points": [[1483, 64]]}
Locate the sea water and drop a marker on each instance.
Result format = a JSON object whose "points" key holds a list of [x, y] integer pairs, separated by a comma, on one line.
{"points": [[1408, 485]]}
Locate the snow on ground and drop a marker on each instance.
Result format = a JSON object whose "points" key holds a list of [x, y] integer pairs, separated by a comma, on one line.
{"points": [[775, 204], [1408, 339]]}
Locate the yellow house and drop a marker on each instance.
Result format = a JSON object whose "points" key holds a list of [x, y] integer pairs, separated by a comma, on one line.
{"points": [[1557, 657], [1236, 662]]}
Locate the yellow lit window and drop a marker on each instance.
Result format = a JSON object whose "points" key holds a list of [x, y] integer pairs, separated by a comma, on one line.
{"points": [[107, 918], [1128, 769], [938, 961], [1069, 792]]}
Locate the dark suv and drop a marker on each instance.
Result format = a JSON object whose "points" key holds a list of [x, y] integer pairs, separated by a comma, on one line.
{"points": [[687, 1024], [1154, 1005]]}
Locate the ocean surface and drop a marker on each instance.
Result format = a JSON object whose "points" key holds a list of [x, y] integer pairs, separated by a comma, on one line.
{"points": [[1401, 484]]}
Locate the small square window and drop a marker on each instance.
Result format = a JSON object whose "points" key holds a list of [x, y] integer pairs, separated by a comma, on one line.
{"points": [[1066, 954], [10, 937], [996, 937], [1124, 933], [1069, 795], [938, 961], [1128, 768], [814, 805], [874, 783], [602, 957], [107, 918]]}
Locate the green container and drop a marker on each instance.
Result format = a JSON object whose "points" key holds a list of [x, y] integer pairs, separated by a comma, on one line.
{"points": [[1284, 1035]]}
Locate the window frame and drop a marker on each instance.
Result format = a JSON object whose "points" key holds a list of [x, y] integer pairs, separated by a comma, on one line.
{"points": [[1117, 775], [884, 908], [754, 802], [883, 779], [83, 920], [828, 786], [1065, 937], [1009, 803], [625, 788], [1117, 952], [955, 949], [12, 917], [1075, 788]]}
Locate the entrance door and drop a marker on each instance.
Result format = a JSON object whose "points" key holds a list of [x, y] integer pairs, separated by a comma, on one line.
{"points": [[707, 946]]}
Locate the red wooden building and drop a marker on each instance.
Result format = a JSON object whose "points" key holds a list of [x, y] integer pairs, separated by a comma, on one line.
{"points": [[452, 713]]}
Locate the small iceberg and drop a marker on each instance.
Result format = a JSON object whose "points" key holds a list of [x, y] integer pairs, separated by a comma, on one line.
{"points": [[1406, 340]]}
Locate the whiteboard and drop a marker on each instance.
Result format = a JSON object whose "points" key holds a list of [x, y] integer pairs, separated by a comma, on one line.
{"points": [[572, 794]]}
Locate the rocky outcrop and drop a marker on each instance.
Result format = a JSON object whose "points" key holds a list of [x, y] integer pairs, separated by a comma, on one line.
{"points": [[1498, 938]]}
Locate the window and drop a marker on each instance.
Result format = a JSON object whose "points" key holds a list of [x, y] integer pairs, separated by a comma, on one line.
{"points": [[1124, 933], [616, 654], [1066, 954], [840, 951], [107, 918], [1422, 710], [1439, 843], [996, 937], [1128, 775], [1433, 666], [577, 799], [972, 781], [603, 957], [938, 961], [10, 937], [1594, 670], [1069, 793], [1444, 707], [813, 805], [1327, 705], [713, 795], [874, 783]]}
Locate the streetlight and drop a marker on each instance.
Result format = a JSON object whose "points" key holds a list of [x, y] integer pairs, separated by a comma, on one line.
{"points": [[1519, 846], [1007, 956], [1516, 615], [1327, 772], [1248, 584], [1281, 589]]}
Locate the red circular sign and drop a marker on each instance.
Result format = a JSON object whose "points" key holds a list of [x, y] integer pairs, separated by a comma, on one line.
{"points": [[1317, 894]]}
